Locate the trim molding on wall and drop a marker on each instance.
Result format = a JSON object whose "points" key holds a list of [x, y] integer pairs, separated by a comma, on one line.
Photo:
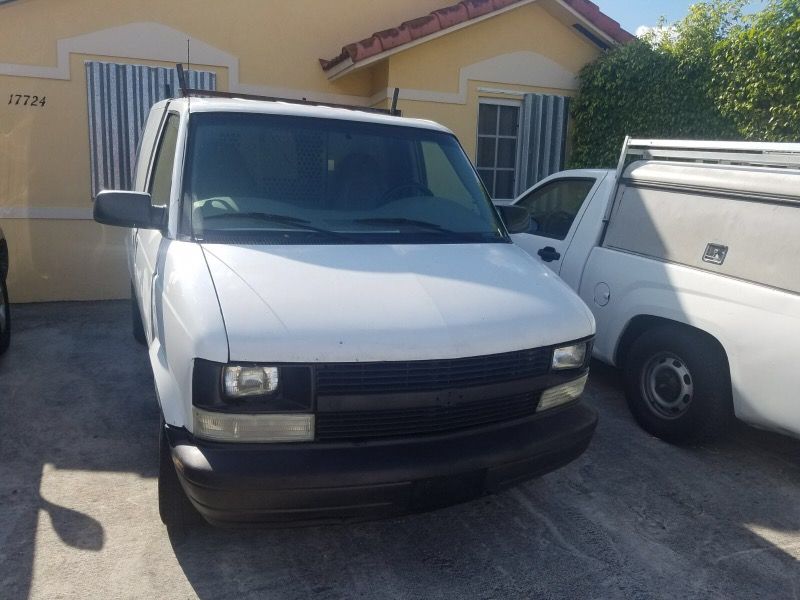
{"points": [[516, 68], [157, 42], [46, 212]]}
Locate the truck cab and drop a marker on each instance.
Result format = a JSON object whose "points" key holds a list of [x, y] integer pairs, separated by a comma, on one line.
{"points": [[566, 219]]}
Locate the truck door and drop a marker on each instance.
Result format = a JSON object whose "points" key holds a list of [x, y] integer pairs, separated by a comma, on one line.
{"points": [[554, 206], [148, 241]]}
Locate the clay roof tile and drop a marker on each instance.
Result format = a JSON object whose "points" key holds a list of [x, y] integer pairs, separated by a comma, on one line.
{"points": [[456, 14]]}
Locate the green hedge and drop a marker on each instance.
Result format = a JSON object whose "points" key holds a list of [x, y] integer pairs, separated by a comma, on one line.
{"points": [[718, 75]]}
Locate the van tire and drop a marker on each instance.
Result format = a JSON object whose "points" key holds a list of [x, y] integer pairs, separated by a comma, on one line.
{"points": [[174, 507], [136, 320], [5, 330], [665, 366]]}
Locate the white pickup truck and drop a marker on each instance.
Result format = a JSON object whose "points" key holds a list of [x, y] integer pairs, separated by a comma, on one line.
{"points": [[687, 255]]}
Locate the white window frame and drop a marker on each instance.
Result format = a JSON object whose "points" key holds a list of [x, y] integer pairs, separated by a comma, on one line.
{"points": [[497, 137]]}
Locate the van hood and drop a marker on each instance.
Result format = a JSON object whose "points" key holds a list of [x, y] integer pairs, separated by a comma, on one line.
{"points": [[365, 303]]}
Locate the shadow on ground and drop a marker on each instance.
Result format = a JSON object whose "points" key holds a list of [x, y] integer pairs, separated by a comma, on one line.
{"points": [[633, 518]]}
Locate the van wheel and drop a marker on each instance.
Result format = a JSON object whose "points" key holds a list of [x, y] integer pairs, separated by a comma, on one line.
{"points": [[678, 385], [174, 507], [136, 320], [5, 318]]}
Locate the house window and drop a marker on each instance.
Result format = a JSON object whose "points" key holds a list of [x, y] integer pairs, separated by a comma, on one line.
{"points": [[498, 137]]}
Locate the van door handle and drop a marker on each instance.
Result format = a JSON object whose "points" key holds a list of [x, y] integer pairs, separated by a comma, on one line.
{"points": [[549, 254]]}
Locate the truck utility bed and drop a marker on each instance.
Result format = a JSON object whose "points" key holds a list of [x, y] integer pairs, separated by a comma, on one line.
{"points": [[734, 220]]}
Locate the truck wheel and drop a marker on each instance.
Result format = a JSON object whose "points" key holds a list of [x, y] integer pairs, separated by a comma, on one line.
{"points": [[5, 318], [136, 320], [678, 385], [174, 508]]}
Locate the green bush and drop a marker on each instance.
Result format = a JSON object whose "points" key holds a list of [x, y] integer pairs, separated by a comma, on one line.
{"points": [[756, 74], [715, 75]]}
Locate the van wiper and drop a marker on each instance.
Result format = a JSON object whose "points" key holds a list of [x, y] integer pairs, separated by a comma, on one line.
{"points": [[403, 221], [300, 224]]}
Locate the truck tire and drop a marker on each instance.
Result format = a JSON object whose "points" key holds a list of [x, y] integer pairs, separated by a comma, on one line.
{"points": [[677, 383], [5, 318], [174, 507], [136, 320]]}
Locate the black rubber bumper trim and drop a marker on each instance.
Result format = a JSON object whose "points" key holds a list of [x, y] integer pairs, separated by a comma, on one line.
{"points": [[232, 483]]}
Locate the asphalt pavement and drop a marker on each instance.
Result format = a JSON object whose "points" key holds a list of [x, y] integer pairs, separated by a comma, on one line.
{"points": [[633, 518]]}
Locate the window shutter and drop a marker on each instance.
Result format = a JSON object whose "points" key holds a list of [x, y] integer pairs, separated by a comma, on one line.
{"points": [[120, 98], [543, 138]]}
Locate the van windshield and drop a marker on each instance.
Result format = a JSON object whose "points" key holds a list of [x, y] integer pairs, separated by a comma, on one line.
{"points": [[254, 178]]}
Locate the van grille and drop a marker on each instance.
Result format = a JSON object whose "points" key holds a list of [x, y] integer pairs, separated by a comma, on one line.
{"points": [[362, 425], [430, 375]]}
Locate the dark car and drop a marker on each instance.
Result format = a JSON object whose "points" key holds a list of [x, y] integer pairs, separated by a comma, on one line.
{"points": [[5, 311]]}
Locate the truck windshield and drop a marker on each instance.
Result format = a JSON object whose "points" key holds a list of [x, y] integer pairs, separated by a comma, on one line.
{"points": [[254, 178]]}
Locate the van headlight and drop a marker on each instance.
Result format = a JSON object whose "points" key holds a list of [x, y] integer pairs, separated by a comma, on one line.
{"points": [[242, 381], [253, 403], [569, 357], [251, 388]]}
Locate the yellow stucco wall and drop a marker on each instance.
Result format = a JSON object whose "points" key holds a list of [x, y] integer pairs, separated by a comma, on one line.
{"points": [[435, 65], [44, 152], [278, 41]]}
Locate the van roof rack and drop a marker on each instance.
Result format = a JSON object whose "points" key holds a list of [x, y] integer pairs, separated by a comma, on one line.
{"points": [[761, 154], [187, 92]]}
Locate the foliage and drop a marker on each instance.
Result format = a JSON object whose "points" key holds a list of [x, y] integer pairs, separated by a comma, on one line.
{"points": [[641, 91], [697, 34], [756, 74], [717, 74]]}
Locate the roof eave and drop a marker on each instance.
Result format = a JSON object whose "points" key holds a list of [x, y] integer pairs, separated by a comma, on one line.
{"points": [[586, 22], [339, 70], [348, 65]]}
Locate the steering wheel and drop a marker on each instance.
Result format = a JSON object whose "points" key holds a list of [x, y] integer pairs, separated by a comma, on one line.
{"points": [[558, 222], [394, 193]]}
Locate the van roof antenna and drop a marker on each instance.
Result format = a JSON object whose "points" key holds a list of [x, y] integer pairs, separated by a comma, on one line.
{"points": [[182, 83], [395, 97]]}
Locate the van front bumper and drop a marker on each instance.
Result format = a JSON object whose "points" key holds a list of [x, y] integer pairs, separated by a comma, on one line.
{"points": [[233, 484]]}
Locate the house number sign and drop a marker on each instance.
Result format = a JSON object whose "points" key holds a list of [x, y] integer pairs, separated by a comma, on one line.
{"points": [[26, 100]]}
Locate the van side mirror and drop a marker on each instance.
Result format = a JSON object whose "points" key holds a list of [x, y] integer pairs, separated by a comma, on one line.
{"points": [[516, 218], [128, 209]]}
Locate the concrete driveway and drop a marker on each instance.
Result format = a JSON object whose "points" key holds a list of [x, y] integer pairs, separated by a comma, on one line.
{"points": [[633, 518]]}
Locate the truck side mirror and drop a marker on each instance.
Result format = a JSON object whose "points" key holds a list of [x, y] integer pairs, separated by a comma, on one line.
{"points": [[128, 209], [516, 218]]}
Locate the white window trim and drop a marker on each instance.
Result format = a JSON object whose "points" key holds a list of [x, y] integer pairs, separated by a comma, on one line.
{"points": [[500, 102]]}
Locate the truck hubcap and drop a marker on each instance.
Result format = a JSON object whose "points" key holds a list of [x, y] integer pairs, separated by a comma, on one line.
{"points": [[667, 385]]}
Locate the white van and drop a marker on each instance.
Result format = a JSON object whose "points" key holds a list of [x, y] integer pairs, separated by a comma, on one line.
{"points": [[688, 258], [338, 323]]}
